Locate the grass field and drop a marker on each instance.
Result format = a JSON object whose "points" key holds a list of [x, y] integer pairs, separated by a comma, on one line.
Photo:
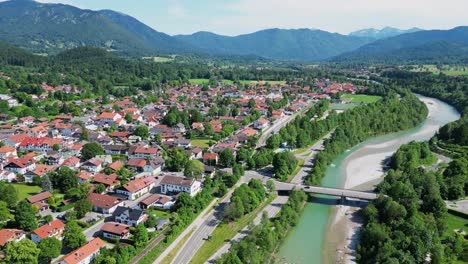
{"points": [[162, 59], [456, 222], [225, 232], [24, 191], [360, 98], [202, 143], [161, 214], [206, 81]]}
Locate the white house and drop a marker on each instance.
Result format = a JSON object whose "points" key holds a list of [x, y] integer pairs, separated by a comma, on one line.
{"points": [[7, 176], [129, 216], [173, 184], [261, 123], [137, 187]]}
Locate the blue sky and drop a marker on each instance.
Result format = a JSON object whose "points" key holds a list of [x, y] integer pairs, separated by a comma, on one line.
{"points": [[233, 17]]}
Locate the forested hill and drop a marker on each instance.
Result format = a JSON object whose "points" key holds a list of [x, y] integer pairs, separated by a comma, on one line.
{"points": [[51, 28], [422, 46], [279, 44]]}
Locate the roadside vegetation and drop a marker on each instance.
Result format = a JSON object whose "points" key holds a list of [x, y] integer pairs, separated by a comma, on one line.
{"points": [[264, 238]]}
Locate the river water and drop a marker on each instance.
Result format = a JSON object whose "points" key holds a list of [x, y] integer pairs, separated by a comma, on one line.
{"points": [[306, 242]]}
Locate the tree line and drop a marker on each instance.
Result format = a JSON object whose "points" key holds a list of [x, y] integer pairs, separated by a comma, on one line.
{"points": [[407, 222], [264, 238], [393, 113]]}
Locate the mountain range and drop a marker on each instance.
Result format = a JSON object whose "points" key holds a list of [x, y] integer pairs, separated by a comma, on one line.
{"points": [[52, 28]]}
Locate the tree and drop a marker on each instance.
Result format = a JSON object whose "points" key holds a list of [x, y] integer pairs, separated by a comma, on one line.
{"points": [[22, 252], [151, 221], [56, 147], [84, 133], [226, 158], [9, 194], [100, 188], [4, 213], [142, 131], [50, 248], [73, 236], [140, 236], [82, 207], [64, 179], [46, 183], [25, 216], [128, 117], [270, 184], [91, 150], [194, 169], [176, 160]]}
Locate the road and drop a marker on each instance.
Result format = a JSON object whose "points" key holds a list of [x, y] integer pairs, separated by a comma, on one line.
{"points": [[276, 126], [272, 210], [308, 156], [202, 225]]}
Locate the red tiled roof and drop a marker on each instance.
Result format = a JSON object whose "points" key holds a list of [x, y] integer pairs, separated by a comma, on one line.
{"points": [[39, 197], [106, 179], [50, 228], [6, 235], [85, 251], [103, 201], [115, 228], [139, 184]]}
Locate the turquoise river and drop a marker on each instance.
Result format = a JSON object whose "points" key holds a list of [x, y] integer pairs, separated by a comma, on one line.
{"points": [[307, 242]]}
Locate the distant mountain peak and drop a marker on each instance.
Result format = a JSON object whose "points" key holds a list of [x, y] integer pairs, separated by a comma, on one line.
{"points": [[385, 32]]}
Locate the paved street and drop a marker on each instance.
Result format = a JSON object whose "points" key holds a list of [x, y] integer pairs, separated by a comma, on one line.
{"points": [[207, 226], [309, 159], [272, 209], [200, 224]]}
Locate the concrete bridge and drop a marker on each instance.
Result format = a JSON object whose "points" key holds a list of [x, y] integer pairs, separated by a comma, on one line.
{"points": [[343, 193]]}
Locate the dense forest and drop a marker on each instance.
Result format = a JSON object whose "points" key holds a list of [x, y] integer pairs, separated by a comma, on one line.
{"points": [[408, 223], [453, 90], [393, 113]]}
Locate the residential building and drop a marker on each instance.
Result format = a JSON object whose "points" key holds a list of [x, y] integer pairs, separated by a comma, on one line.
{"points": [[84, 254], [40, 200], [137, 187], [173, 184], [129, 216], [104, 204], [53, 229], [8, 235], [112, 230], [156, 200]]}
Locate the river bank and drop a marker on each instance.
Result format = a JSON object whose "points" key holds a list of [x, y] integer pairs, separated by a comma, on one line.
{"points": [[362, 169]]}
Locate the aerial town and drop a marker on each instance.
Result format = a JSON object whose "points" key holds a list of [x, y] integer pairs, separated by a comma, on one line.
{"points": [[119, 164]]}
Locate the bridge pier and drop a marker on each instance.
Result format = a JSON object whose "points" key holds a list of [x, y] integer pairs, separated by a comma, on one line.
{"points": [[343, 200]]}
